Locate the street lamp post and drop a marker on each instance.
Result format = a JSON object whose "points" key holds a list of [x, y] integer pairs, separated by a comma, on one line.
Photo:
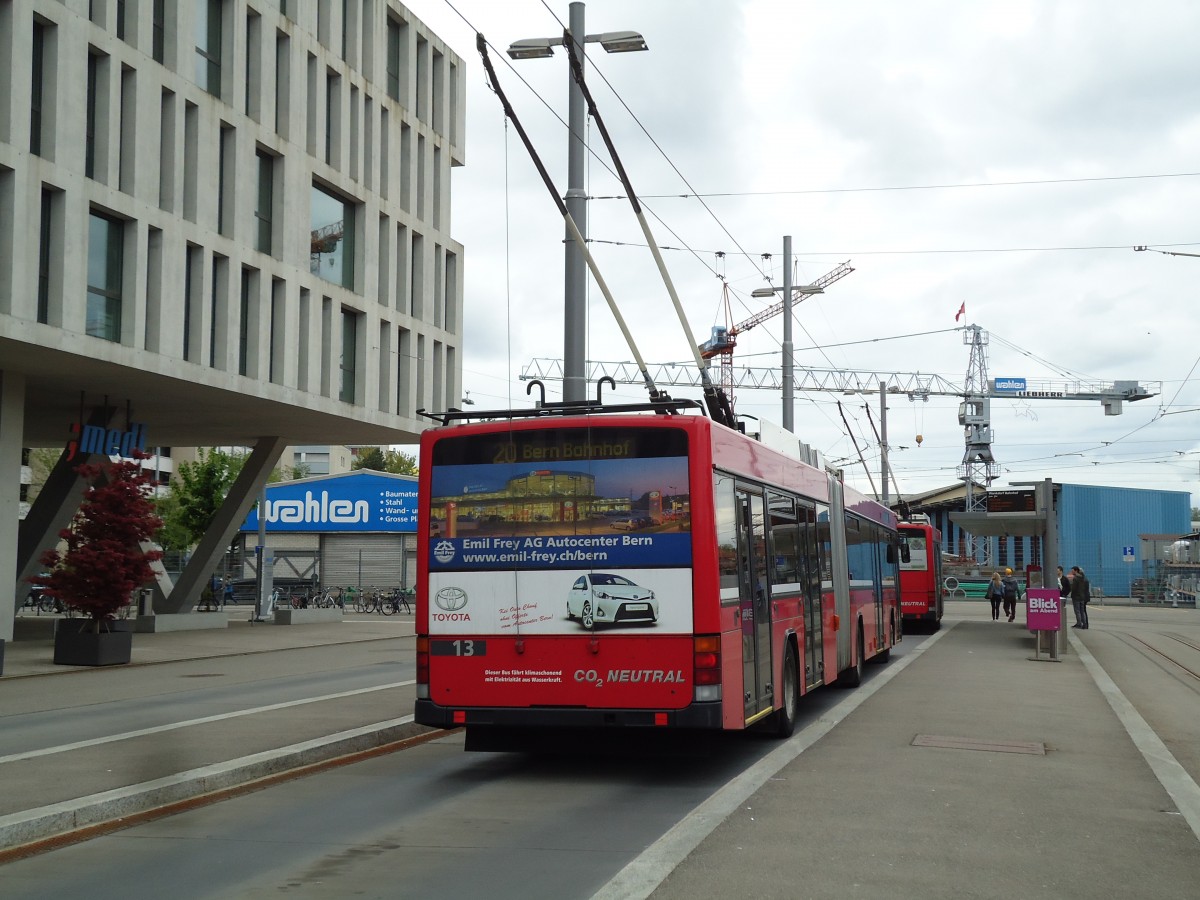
{"points": [[789, 387], [575, 281]]}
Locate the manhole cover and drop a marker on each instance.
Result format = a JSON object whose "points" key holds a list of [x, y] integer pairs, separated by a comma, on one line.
{"points": [[1036, 748]]}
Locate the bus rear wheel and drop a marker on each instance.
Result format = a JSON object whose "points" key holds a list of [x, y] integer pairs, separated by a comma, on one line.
{"points": [[786, 715]]}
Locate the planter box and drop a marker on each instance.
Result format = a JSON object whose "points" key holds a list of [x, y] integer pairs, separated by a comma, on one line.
{"points": [[307, 616], [87, 648], [181, 622]]}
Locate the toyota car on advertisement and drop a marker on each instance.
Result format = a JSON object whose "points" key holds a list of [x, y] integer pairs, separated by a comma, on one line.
{"points": [[601, 598]]}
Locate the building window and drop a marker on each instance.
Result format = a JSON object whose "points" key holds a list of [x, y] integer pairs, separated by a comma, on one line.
{"points": [[226, 153], [218, 324], [89, 154], [244, 324], [44, 237], [159, 29], [265, 201], [422, 80], [346, 30], [393, 59], [349, 354], [121, 19], [283, 83], [193, 260], [105, 250], [332, 235], [333, 118], [208, 46], [36, 98]]}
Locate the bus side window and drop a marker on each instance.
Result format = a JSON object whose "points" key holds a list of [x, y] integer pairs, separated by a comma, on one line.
{"points": [[726, 521]]}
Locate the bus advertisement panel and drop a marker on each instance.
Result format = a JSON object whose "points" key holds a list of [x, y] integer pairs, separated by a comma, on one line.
{"points": [[550, 533]]}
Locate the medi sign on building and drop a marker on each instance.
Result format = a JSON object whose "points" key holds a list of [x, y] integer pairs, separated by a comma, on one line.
{"points": [[359, 501]]}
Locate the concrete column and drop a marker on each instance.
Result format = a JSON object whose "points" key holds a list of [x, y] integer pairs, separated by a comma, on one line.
{"points": [[12, 430], [229, 518], [56, 504]]}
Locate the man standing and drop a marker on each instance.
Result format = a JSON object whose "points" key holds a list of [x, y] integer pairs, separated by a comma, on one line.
{"points": [[1012, 593], [1080, 595]]}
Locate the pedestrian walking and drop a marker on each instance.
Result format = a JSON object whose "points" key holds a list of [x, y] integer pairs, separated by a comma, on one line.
{"points": [[1012, 592], [995, 594], [1081, 593]]}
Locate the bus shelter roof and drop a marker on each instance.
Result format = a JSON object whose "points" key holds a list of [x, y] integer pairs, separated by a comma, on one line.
{"points": [[999, 524]]}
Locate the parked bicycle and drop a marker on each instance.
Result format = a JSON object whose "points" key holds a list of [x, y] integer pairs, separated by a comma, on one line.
{"points": [[394, 601], [328, 598], [402, 598], [40, 602]]}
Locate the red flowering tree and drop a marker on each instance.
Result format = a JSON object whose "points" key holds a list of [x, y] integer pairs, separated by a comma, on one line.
{"points": [[104, 561]]}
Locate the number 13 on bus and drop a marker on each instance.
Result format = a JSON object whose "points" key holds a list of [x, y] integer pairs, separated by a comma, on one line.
{"points": [[623, 571]]}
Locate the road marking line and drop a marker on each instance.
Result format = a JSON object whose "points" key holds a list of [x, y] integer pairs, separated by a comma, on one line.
{"points": [[642, 876], [158, 729], [1170, 774]]}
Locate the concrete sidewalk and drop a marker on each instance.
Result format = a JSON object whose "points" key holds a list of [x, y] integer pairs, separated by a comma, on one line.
{"points": [[33, 653], [975, 773]]}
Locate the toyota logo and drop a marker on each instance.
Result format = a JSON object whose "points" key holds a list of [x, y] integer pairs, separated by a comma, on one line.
{"points": [[451, 599]]}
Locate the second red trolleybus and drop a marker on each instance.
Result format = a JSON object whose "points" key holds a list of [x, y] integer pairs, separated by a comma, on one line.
{"points": [[921, 596], [615, 570]]}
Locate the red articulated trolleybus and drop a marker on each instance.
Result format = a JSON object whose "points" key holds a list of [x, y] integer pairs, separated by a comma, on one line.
{"points": [[921, 572], [611, 570]]}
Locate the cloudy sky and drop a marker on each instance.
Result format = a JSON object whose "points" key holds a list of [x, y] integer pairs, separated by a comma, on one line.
{"points": [[1003, 155]]}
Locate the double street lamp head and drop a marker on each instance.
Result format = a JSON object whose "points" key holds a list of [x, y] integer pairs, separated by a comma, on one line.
{"points": [[796, 289], [611, 41]]}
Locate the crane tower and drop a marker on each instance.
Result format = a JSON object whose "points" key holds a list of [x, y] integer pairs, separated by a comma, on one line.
{"points": [[979, 466]]}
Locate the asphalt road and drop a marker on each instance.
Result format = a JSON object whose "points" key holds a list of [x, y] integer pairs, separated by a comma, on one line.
{"points": [[435, 821]]}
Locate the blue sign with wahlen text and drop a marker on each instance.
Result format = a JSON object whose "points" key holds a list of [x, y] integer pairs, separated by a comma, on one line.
{"points": [[1010, 384], [358, 501]]}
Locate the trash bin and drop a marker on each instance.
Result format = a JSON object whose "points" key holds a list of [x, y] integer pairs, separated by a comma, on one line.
{"points": [[145, 602]]}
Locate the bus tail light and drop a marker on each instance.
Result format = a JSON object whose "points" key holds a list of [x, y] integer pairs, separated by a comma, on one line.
{"points": [[706, 667], [423, 667]]}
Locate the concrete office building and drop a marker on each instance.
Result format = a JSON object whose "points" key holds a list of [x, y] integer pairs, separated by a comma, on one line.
{"points": [[222, 223]]}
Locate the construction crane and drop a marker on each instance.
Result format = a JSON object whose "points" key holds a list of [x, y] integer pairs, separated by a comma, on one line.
{"points": [[324, 241], [915, 386], [724, 337], [979, 465]]}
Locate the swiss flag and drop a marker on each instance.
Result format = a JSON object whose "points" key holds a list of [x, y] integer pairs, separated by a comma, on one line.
{"points": [[962, 311]]}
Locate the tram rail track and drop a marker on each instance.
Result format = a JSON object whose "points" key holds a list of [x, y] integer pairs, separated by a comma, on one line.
{"points": [[1166, 656]]}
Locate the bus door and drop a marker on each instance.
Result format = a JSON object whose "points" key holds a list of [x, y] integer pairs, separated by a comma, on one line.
{"points": [[840, 576], [814, 668], [886, 573], [754, 605]]}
